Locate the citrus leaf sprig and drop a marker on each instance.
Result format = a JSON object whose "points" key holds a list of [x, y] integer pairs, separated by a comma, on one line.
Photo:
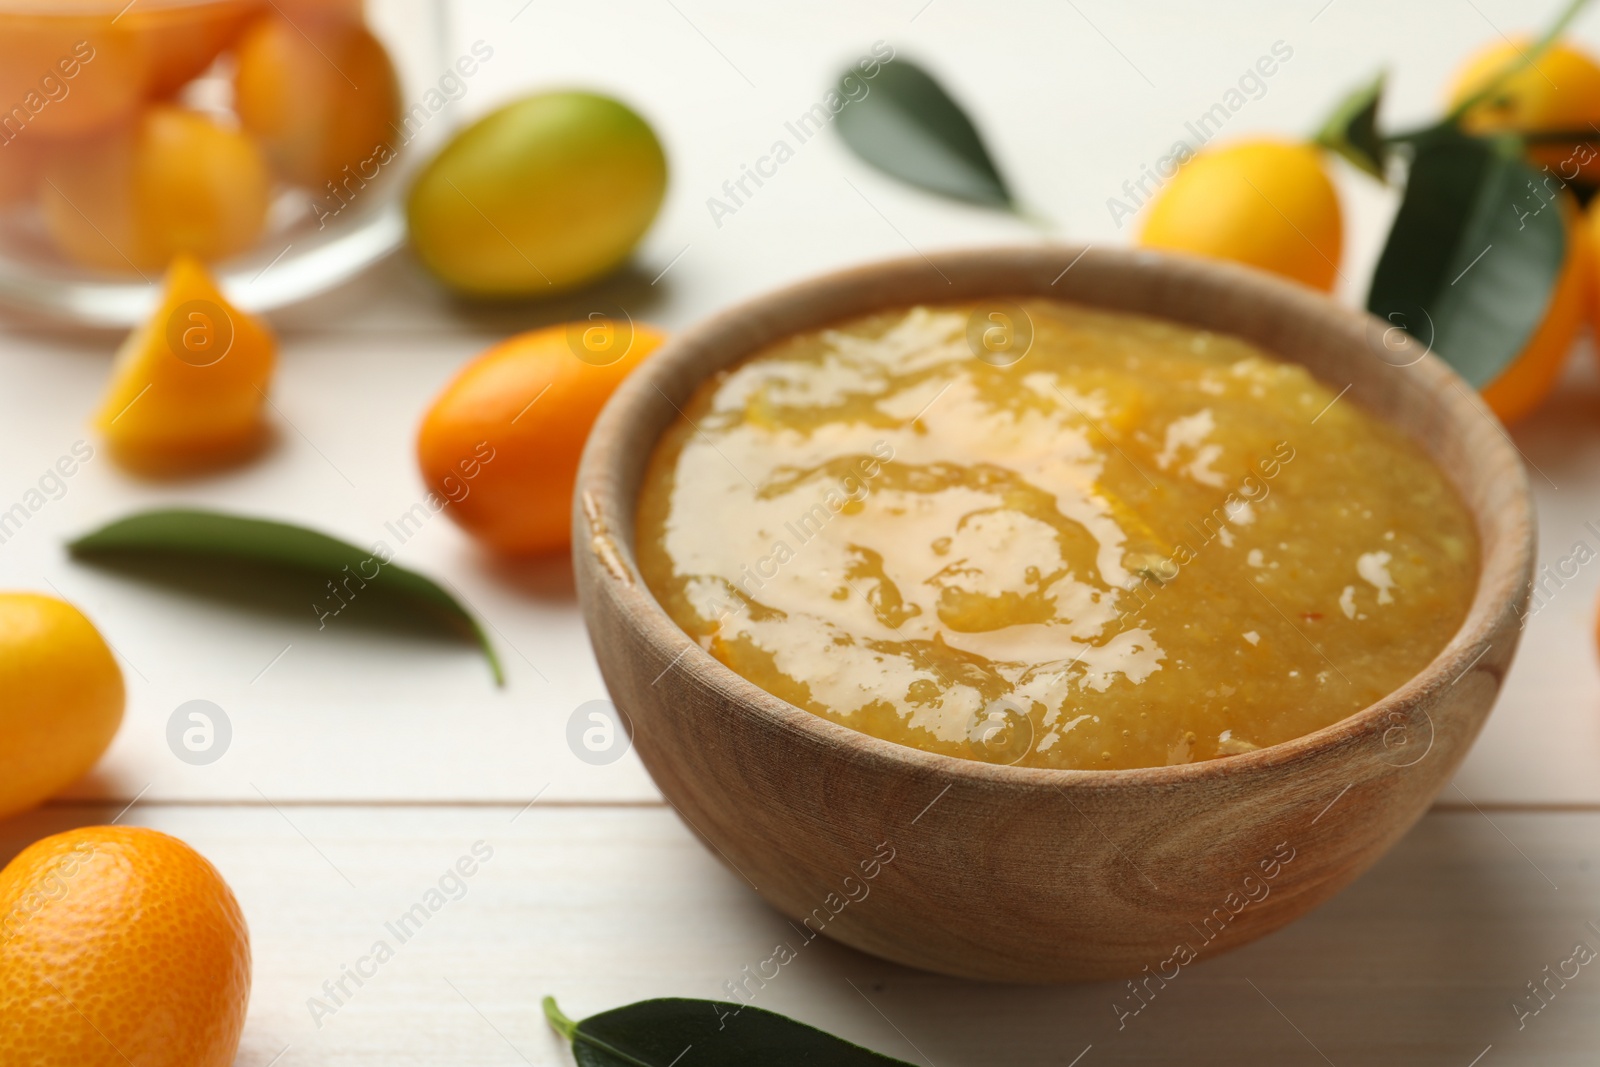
{"points": [[1476, 250], [1527, 58], [1351, 130]]}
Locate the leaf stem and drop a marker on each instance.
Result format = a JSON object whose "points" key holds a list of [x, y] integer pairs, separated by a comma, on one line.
{"points": [[1039, 221], [1523, 62], [562, 1025], [569, 1029], [488, 652]]}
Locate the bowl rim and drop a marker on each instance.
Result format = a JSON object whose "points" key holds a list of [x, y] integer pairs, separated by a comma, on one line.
{"points": [[596, 495]]}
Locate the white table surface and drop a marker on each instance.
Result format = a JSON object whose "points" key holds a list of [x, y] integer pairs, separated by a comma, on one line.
{"points": [[361, 765]]}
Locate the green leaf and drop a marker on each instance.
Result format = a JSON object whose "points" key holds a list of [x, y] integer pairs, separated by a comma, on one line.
{"points": [[704, 1033], [907, 126], [1352, 130], [1474, 253], [275, 549]]}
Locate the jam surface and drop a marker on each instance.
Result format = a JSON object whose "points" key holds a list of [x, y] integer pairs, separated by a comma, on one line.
{"points": [[1122, 543]]}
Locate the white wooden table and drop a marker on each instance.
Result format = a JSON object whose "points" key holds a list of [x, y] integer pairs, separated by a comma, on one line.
{"points": [[361, 767]]}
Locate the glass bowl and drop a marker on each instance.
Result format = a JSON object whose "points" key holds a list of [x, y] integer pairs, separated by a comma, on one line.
{"points": [[269, 138]]}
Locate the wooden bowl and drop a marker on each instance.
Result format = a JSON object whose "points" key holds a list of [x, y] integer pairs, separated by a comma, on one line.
{"points": [[1025, 874]]}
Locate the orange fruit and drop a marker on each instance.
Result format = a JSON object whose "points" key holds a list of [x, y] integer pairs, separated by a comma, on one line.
{"points": [[64, 699], [21, 163], [544, 194], [91, 67], [501, 443], [181, 41], [68, 74], [1560, 91], [320, 96], [175, 182], [119, 945], [1526, 381], [1589, 229], [1265, 203], [188, 387], [302, 11]]}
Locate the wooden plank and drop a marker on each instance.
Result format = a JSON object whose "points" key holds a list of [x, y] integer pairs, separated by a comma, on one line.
{"points": [[1419, 962]]}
